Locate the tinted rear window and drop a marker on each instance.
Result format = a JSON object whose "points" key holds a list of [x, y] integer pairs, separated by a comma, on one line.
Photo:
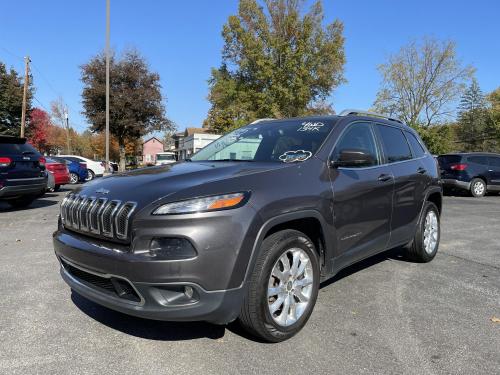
{"points": [[16, 148], [449, 159], [396, 147], [482, 160], [494, 161]]}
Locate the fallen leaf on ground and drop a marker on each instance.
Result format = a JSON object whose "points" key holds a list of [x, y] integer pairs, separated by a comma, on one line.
{"points": [[495, 319]]}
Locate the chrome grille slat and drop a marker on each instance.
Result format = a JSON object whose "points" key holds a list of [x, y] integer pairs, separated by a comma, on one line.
{"points": [[98, 216]]}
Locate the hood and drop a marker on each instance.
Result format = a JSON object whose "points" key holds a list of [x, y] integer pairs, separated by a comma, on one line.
{"points": [[149, 184]]}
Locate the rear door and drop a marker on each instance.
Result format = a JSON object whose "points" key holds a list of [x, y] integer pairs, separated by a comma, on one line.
{"points": [[478, 166], [410, 182], [25, 160], [494, 171], [362, 197]]}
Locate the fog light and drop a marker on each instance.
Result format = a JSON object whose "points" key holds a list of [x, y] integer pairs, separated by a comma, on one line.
{"points": [[171, 248], [188, 291]]}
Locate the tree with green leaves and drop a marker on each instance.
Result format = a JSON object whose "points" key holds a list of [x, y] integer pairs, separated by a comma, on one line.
{"points": [[421, 82], [473, 118], [11, 101], [136, 102], [277, 61], [439, 139], [493, 100]]}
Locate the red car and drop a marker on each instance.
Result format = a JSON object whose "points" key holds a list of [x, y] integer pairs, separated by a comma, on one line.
{"points": [[59, 171]]}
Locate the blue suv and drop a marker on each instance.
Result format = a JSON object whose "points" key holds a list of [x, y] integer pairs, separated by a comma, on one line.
{"points": [[475, 172]]}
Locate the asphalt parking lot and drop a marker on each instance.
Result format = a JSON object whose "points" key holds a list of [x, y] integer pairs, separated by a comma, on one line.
{"points": [[385, 315]]}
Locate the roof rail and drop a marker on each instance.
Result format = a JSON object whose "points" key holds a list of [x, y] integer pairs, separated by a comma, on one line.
{"points": [[261, 119], [347, 112]]}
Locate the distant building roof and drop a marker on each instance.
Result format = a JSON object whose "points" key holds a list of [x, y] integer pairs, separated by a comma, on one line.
{"points": [[191, 131], [149, 139]]}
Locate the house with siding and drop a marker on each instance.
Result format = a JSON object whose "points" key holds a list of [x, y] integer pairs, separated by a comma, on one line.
{"points": [[150, 148]]}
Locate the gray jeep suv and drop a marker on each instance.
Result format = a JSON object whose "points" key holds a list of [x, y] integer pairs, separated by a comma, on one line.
{"points": [[250, 225]]}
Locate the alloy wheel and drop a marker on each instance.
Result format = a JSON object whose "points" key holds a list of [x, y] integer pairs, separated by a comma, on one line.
{"points": [[478, 188], [431, 232], [73, 178], [290, 287]]}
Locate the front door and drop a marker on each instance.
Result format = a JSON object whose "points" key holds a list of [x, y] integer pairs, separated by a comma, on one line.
{"points": [[362, 197]]}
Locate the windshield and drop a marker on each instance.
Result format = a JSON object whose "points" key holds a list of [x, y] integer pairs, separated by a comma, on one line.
{"points": [[277, 141], [164, 157]]}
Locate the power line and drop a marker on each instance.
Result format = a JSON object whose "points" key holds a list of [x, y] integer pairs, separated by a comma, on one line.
{"points": [[41, 104]]}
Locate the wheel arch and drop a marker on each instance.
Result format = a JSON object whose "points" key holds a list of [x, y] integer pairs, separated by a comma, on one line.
{"points": [[309, 222]]}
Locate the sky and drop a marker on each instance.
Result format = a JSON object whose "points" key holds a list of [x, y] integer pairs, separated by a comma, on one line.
{"points": [[181, 40]]}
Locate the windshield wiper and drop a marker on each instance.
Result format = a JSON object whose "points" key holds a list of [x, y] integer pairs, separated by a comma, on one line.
{"points": [[240, 160]]}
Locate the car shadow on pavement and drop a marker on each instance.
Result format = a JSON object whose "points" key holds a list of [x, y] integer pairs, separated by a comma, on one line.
{"points": [[146, 328], [178, 331], [39, 203], [396, 254]]}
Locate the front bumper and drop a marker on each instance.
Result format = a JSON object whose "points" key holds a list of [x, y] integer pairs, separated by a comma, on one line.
{"points": [[215, 275], [154, 301], [457, 184], [20, 187]]}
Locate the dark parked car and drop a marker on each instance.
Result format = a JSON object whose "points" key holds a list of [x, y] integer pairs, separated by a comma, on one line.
{"points": [[248, 227], [22, 172], [77, 170], [475, 172]]}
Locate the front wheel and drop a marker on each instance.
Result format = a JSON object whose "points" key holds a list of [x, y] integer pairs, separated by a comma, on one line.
{"points": [[73, 178], [283, 287], [425, 244], [90, 175]]}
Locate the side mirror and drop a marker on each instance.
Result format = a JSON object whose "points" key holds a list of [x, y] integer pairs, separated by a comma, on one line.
{"points": [[353, 158]]}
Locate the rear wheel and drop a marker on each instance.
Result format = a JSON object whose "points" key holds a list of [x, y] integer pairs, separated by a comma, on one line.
{"points": [[57, 187], [90, 175], [425, 244], [283, 287], [478, 187]]}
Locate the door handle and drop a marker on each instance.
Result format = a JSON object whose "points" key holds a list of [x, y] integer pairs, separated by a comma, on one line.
{"points": [[421, 170], [385, 177]]}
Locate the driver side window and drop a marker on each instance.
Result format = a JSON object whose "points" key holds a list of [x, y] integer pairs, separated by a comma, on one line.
{"points": [[358, 137]]}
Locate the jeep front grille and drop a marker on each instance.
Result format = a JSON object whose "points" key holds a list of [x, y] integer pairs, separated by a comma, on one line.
{"points": [[98, 216]]}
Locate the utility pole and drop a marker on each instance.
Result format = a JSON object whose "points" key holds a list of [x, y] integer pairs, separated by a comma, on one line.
{"points": [[66, 117], [25, 93], [107, 85]]}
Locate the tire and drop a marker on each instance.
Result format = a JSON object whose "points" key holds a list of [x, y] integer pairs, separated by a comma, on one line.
{"points": [[421, 249], [478, 187], [21, 202], [255, 315], [73, 178], [90, 175], [57, 187]]}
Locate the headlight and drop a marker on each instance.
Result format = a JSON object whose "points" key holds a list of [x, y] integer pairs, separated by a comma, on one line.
{"points": [[213, 203]]}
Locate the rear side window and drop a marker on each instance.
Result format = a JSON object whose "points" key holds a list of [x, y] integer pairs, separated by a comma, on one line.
{"points": [[416, 147], [482, 160], [494, 161], [394, 142]]}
